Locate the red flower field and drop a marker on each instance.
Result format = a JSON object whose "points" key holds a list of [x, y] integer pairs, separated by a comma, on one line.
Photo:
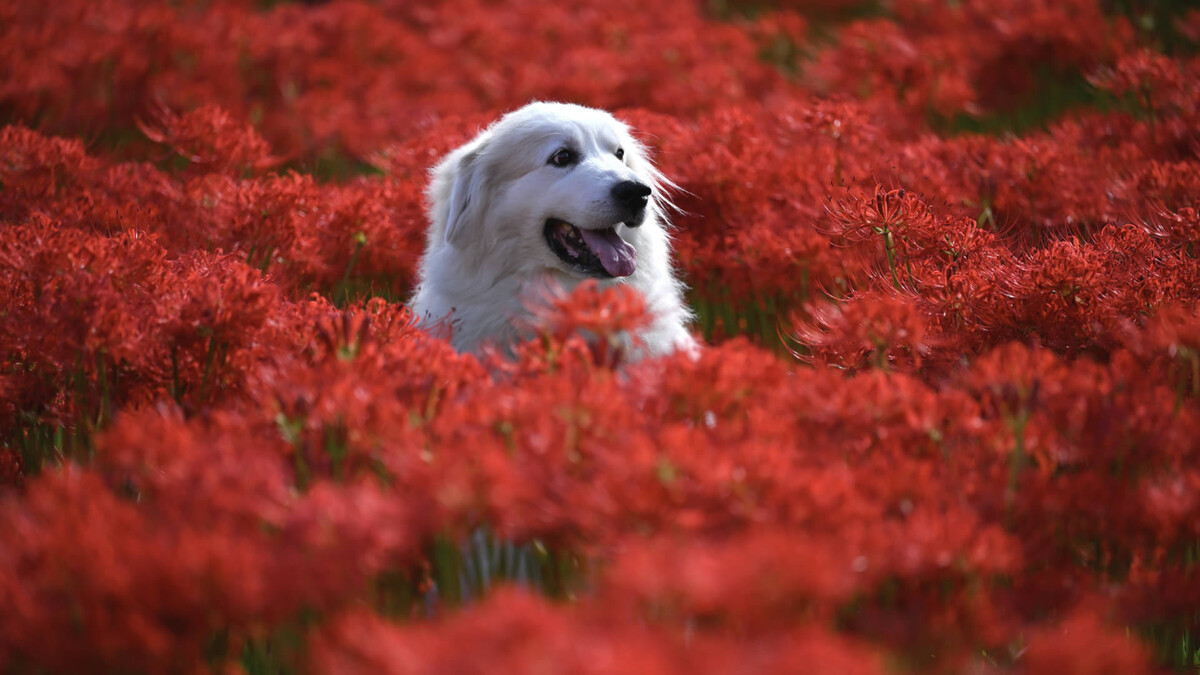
{"points": [[945, 257]]}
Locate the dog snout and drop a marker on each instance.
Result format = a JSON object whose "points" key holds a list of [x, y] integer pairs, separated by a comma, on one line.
{"points": [[631, 195]]}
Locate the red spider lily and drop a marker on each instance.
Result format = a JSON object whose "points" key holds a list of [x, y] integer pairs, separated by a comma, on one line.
{"points": [[1083, 642], [211, 138], [36, 167], [756, 583], [1164, 89], [590, 309], [361, 235], [1063, 421], [605, 319], [904, 227], [353, 75], [202, 578], [128, 325], [868, 331], [969, 57], [1164, 187], [518, 632], [1168, 344], [1182, 227]]}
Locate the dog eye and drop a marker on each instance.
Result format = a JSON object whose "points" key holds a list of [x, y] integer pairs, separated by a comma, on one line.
{"points": [[564, 157], [620, 153]]}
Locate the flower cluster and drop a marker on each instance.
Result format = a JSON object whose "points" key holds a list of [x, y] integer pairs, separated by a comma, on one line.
{"points": [[945, 419]]}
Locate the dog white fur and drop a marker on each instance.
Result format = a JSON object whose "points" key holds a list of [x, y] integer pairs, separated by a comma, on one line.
{"points": [[492, 204]]}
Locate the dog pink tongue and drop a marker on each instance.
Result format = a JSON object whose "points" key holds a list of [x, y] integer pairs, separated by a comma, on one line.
{"points": [[617, 255]]}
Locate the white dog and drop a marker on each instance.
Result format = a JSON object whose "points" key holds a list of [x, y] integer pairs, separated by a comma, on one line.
{"points": [[549, 195]]}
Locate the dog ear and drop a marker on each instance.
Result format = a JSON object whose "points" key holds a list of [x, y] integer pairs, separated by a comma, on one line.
{"points": [[467, 195]]}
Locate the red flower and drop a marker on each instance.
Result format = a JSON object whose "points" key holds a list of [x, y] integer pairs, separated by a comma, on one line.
{"points": [[211, 138], [1083, 643]]}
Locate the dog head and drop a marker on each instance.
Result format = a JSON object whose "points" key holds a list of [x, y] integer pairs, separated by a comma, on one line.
{"points": [[550, 186]]}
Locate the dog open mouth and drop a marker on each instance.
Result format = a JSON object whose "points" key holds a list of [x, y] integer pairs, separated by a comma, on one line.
{"points": [[599, 253]]}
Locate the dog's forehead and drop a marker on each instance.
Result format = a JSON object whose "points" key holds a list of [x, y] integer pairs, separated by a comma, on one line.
{"points": [[564, 123]]}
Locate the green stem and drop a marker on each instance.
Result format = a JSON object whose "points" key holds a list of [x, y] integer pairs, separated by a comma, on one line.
{"points": [[889, 245]]}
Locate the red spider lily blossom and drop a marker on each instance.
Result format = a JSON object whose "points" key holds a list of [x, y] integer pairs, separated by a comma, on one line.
{"points": [[884, 332], [1083, 643], [1164, 88], [211, 138], [1169, 346], [131, 568], [966, 57], [521, 633], [605, 319], [1181, 227]]}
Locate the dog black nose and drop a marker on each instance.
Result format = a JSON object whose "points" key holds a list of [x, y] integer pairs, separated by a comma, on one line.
{"points": [[631, 194]]}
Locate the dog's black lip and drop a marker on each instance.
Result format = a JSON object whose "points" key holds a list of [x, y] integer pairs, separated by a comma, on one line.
{"points": [[636, 219], [588, 263]]}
